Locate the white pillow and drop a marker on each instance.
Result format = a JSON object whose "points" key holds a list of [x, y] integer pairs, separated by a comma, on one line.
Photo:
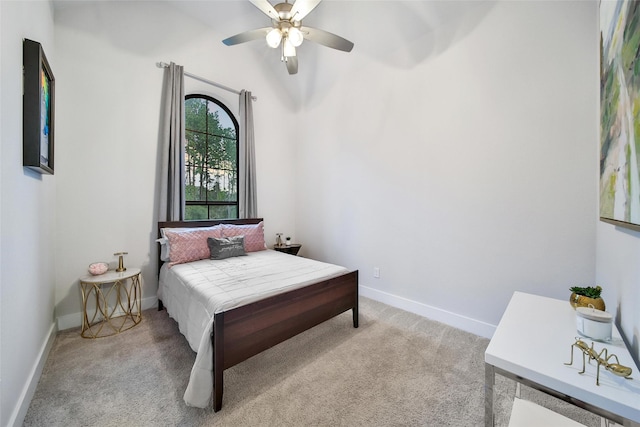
{"points": [[164, 249]]}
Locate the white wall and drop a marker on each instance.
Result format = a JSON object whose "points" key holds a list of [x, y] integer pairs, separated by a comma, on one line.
{"points": [[27, 221], [460, 161], [108, 118], [618, 268]]}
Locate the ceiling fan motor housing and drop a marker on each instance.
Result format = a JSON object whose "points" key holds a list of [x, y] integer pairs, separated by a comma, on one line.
{"points": [[284, 11]]}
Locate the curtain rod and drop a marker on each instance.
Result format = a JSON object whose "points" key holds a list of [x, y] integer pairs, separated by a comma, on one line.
{"points": [[202, 79]]}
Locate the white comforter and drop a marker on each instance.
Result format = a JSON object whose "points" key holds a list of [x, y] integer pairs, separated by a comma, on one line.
{"points": [[194, 292]]}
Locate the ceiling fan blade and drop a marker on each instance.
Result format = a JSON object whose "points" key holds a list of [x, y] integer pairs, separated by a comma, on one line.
{"points": [[327, 39], [301, 8], [266, 8], [292, 64], [247, 36]]}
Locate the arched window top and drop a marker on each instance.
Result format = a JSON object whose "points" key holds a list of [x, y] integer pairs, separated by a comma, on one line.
{"points": [[211, 159], [198, 105]]}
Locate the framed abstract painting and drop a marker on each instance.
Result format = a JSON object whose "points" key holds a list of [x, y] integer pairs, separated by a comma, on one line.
{"points": [[38, 109], [620, 113]]}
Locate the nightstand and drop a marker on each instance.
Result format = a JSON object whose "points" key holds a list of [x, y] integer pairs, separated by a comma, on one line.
{"points": [[291, 249], [111, 302]]}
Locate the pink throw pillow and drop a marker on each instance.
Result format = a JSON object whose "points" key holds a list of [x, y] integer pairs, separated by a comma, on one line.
{"points": [[253, 235], [190, 245]]}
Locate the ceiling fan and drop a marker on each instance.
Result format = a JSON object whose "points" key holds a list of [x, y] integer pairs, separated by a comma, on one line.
{"points": [[286, 30]]}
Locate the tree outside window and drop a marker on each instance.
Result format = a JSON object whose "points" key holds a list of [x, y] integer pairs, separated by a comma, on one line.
{"points": [[211, 159]]}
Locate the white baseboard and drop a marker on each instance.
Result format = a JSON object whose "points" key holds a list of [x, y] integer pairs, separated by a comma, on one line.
{"points": [[468, 324], [20, 411], [74, 320]]}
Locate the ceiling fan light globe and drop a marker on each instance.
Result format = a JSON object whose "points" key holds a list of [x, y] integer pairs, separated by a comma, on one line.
{"points": [[274, 37], [295, 36]]}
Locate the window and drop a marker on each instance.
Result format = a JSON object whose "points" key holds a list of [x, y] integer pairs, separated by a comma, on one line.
{"points": [[211, 159]]}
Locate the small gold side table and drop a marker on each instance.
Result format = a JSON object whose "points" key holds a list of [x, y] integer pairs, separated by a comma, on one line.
{"points": [[111, 302]]}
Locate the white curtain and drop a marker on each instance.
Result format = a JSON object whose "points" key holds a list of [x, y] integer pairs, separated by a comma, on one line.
{"points": [[172, 145], [248, 206]]}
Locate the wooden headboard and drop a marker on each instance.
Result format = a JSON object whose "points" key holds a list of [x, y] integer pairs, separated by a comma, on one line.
{"points": [[205, 223]]}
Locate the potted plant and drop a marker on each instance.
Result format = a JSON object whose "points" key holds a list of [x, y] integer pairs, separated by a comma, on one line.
{"points": [[585, 297], [288, 241]]}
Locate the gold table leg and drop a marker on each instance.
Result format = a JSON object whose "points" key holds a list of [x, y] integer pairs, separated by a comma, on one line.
{"points": [[105, 320]]}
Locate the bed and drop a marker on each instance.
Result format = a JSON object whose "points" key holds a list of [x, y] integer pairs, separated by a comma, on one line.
{"points": [[228, 332]]}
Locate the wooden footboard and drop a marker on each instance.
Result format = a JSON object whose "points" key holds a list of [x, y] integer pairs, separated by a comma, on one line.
{"points": [[245, 331]]}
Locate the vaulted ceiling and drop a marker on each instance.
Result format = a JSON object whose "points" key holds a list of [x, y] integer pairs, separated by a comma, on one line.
{"points": [[395, 34], [398, 33]]}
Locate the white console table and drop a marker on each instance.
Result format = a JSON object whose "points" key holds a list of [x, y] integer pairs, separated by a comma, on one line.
{"points": [[533, 342]]}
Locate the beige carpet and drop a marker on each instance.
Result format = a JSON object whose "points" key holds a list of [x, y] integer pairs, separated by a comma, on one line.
{"points": [[397, 369]]}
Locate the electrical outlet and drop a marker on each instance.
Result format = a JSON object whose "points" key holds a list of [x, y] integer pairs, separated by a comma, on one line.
{"points": [[376, 272]]}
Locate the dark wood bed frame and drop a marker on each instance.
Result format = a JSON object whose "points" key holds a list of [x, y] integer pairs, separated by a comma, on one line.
{"points": [[245, 331]]}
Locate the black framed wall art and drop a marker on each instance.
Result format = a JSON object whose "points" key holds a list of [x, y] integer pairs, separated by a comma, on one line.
{"points": [[38, 109]]}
